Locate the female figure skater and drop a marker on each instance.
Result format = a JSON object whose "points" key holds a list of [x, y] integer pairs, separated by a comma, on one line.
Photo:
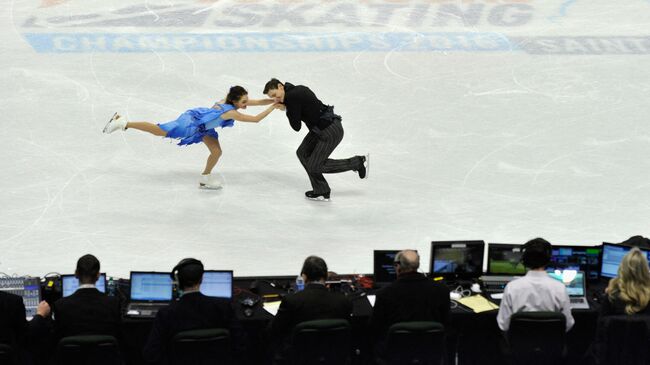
{"points": [[198, 125]]}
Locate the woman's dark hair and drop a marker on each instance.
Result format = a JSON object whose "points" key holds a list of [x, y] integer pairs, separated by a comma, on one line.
{"points": [[234, 94], [537, 253], [314, 268]]}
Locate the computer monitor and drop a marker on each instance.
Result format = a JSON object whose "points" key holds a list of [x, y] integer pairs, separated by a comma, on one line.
{"points": [[151, 286], [612, 257], [70, 284], [572, 279], [582, 258], [505, 259], [27, 288], [384, 266], [217, 283], [457, 259]]}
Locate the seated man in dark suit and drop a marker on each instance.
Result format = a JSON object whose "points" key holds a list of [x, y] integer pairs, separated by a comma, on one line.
{"points": [[191, 312], [87, 311], [314, 302], [412, 297], [14, 328]]}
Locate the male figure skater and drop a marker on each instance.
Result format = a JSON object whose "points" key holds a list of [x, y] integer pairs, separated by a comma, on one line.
{"points": [[325, 133]]}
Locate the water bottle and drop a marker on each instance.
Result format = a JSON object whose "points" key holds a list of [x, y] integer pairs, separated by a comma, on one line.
{"points": [[300, 283], [111, 287]]}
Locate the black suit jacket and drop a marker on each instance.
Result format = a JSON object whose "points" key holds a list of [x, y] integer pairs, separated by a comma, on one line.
{"points": [[12, 319], [303, 105], [412, 297], [315, 302], [87, 312], [192, 311]]}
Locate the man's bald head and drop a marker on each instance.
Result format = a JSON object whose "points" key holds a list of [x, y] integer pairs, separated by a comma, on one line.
{"points": [[408, 260]]}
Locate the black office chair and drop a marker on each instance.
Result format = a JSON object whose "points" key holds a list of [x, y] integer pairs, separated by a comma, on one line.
{"points": [[5, 354], [624, 339], [421, 343], [201, 347], [88, 350], [322, 342], [537, 338]]}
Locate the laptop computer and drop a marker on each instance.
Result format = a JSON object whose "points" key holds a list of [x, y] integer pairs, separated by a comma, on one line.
{"points": [[150, 291], [217, 283], [575, 286], [70, 284], [384, 271]]}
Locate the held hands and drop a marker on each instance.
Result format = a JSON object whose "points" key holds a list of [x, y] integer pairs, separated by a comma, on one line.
{"points": [[43, 309], [280, 106]]}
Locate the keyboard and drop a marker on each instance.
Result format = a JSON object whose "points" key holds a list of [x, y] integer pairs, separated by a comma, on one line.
{"points": [[495, 283], [577, 300]]}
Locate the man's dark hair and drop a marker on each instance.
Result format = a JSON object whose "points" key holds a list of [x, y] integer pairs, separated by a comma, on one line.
{"points": [[314, 268], [637, 241], [271, 85], [190, 274], [537, 253], [87, 269]]}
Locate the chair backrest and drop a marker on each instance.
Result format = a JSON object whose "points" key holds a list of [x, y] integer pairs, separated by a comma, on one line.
{"points": [[87, 350], [537, 337], [201, 347], [415, 343], [625, 340], [5, 354], [321, 342]]}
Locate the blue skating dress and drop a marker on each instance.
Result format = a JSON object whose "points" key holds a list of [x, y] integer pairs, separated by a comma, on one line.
{"points": [[191, 126]]}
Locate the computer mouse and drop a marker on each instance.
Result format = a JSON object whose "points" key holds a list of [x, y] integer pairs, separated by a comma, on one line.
{"points": [[248, 312], [454, 296]]}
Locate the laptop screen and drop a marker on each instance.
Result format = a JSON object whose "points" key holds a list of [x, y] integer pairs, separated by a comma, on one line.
{"points": [[612, 257], [504, 259], [384, 267], [462, 259], [217, 284], [150, 286], [582, 258], [573, 280], [70, 284]]}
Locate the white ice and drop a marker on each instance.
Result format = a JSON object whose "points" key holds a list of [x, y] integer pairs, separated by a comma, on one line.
{"points": [[501, 145]]}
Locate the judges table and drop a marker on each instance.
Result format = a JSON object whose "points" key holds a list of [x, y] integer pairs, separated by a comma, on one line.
{"points": [[473, 337]]}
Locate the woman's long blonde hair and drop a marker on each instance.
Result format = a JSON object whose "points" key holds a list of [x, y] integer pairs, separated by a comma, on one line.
{"points": [[632, 285]]}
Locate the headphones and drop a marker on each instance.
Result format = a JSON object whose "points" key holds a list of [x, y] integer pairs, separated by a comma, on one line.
{"points": [[181, 265]]}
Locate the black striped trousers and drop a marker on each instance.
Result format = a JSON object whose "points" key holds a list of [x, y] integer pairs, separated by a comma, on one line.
{"points": [[314, 152]]}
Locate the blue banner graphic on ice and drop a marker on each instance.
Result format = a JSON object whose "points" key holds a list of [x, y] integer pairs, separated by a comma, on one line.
{"points": [[265, 42]]}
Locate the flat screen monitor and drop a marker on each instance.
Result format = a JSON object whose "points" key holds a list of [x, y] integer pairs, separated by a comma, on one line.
{"points": [[70, 284], [151, 286], [384, 266], [582, 258], [457, 259], [505, 259], [217, 284], [612, 257]]}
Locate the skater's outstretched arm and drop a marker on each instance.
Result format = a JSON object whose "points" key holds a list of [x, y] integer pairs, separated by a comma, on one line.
{"points": [[233, 114], [260, 101]]}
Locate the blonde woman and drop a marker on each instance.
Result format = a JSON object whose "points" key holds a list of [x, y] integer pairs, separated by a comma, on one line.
{"points": [[629, 292]]}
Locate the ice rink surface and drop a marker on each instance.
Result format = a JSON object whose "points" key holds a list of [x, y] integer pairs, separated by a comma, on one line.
{"points": [[499, 120]]}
